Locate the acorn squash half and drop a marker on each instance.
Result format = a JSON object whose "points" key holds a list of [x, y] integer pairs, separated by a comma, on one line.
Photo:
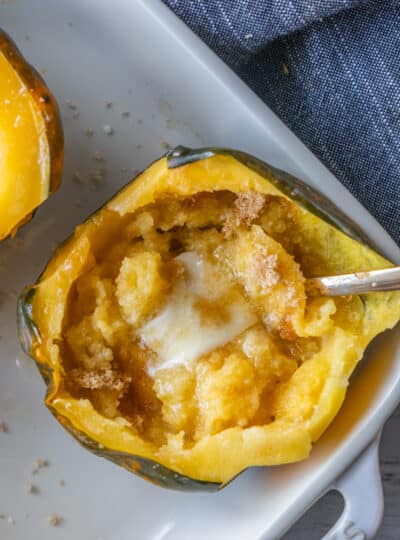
{"points": [[31, 139], [173, 328]]}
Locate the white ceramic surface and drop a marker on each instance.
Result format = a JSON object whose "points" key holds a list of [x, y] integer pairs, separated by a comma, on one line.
{"points": [[139, 56]]}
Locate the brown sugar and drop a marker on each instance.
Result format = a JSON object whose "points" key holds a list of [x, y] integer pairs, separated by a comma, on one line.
{"points": [[264, 268], [248, 205], [54, 520], [100, 379], [39, 464]]}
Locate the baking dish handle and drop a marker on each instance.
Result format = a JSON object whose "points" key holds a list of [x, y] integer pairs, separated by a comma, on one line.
{"points": [[361, 487]]}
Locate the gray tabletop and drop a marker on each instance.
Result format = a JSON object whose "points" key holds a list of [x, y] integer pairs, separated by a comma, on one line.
{"points": [[324, 513]]}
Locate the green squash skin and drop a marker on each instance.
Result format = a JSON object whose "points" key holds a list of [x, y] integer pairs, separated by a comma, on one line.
{"points": [[145, 468], [29, 333]]}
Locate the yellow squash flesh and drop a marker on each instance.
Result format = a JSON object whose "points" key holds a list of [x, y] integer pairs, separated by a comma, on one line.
{"points": [[304, 404], [31, 140]]}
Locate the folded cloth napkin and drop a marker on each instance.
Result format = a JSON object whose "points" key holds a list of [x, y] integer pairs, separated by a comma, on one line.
{"points": [[331, 70]]}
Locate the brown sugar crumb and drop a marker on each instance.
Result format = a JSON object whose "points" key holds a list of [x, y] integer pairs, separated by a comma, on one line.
{"points": [[264, 268], [248, 205], [30, 488], [3, 427], [39, 464], [54, 520], [286, 330], [61, 483], [100, 379]]}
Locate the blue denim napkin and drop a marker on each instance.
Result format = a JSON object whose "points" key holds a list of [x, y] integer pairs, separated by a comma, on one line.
{"points": [[331, 70]]}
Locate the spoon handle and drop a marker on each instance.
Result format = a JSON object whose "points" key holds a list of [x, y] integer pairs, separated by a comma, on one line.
{"points": [[358, 283]]}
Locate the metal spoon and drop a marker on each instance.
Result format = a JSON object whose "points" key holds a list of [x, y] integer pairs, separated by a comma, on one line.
{"points": [[387, 279], [314, 201]]}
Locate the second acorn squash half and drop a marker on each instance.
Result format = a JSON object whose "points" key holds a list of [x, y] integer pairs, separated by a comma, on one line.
{"points": [[31, 139], [174, 331]]}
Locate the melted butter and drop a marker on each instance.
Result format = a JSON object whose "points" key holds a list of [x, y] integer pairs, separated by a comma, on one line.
{"points": [[182, 331]]}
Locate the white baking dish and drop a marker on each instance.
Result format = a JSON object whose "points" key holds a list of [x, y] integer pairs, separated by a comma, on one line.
{"points": [[139, 56]]}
